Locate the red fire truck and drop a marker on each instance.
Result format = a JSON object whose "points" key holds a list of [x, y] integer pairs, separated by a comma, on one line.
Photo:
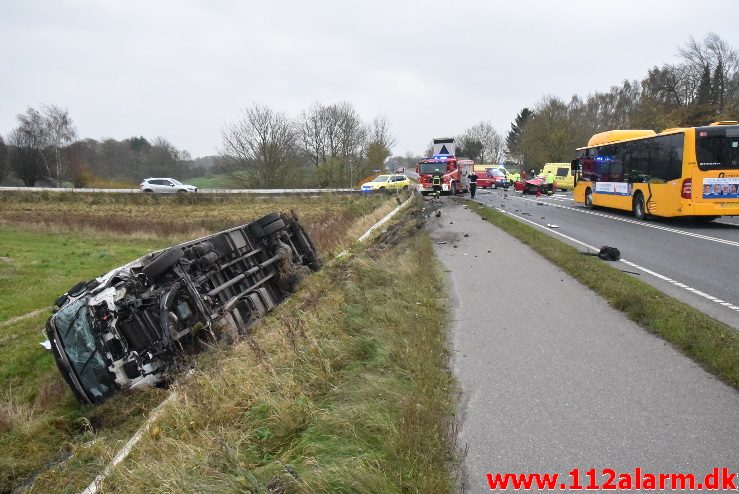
{"points": [[454, 174]]}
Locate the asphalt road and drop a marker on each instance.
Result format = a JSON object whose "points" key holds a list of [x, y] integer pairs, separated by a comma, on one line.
{"points": [[555, 379], [695, 262]]}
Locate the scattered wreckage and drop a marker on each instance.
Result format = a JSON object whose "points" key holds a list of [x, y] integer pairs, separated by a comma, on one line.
{"points": [[126, 328]]}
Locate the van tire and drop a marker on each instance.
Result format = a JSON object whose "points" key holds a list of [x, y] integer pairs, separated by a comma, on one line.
{"points": [[162, 262], [267, 219], [273, 227]]}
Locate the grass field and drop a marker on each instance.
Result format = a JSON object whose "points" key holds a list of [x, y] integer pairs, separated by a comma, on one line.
{"points": [[48, 242], [344, 388], [220, 181]]}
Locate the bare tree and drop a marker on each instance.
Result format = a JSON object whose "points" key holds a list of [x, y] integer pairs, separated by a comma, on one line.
{"points": [[27, 142], [59, 132], [335, 134], [313, 126], [490, 139], [264, 144], [380, 142], [3, 158]]}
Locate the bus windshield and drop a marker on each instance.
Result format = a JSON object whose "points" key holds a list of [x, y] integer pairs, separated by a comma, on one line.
{"points": [[717, 149]]}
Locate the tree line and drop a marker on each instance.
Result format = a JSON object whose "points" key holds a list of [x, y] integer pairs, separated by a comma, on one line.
{"points": [[703, 87], [324, 146], [43, 148]]}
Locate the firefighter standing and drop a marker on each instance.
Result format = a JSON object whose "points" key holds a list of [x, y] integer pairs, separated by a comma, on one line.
{"points": [[473, 183], [436, 182]]}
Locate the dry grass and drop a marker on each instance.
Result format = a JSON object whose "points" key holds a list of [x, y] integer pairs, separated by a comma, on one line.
{"points": [[343, 389], [178, 217], [52, 240]]}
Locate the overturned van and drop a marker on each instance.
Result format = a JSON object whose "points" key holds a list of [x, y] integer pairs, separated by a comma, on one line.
{"points": [[126, 328]]}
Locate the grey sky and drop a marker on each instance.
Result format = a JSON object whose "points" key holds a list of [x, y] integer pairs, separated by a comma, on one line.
{"points": [[181, 69]]}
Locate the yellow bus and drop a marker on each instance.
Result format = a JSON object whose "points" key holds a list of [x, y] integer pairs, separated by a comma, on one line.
{"points": [[679, 172]]}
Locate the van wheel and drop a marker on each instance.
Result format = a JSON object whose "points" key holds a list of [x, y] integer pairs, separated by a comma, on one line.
{"points": [[639, 211], [494, 186], [588, 199], [162, 262]]}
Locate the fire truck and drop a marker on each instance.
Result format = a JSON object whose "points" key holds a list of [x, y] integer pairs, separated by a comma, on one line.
{"points": [[454, 171]]}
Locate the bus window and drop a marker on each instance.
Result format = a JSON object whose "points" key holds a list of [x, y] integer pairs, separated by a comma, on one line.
{"points": [[716, 150], [667, 157]]}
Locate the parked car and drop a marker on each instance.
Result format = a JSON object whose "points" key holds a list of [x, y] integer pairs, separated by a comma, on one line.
{"points": [[493, 178], [386, 183], [126, 328], [165, 186]]}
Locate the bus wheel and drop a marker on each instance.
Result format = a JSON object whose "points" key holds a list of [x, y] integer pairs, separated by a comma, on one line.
{"points": [[639, 212], [588, 199]]}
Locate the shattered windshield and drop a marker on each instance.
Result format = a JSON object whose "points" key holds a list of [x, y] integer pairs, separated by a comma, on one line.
{"points": [[73, 324]]}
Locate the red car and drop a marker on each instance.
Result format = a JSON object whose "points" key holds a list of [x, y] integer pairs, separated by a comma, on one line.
{"points": [[536, 185], [493, 178]]}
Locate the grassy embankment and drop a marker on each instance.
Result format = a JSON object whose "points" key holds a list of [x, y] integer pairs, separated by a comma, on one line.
{"points": [[49, 241], [711, 343], [219, 181], [337, 389]]}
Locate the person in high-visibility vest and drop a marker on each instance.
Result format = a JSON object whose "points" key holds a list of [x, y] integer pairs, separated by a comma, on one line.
{"points": [[436, 182], [550, 183]]}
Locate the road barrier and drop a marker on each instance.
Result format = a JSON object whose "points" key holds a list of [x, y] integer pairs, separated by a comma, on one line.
{"points": [[200, 191]]}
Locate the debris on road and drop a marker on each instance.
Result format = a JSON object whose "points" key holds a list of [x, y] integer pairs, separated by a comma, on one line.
{"points": [[606, 253], [466, 234], [552, 226], [438, 213]]}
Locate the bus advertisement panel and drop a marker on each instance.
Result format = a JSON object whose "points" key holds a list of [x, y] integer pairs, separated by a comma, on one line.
{"points": [[721, 188]]}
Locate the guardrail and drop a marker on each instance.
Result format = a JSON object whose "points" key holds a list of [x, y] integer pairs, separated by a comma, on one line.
{"points": [[200, 191]]}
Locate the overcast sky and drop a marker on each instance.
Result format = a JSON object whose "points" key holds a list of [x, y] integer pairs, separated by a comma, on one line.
{"points": [[181, 69]]}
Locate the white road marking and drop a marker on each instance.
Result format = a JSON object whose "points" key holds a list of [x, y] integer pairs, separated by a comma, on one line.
{"points": [[639, 223], [662, 277]]}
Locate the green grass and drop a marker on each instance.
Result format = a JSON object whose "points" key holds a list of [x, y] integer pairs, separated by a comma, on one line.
{"points": [[344, 388], [709, 342], [37, 267], [219, 181], [48, 242]]}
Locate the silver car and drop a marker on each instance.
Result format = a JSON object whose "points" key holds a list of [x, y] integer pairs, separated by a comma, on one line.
{"points": [[165, 186]]}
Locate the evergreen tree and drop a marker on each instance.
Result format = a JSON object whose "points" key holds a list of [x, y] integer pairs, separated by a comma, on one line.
{"points": [[717, 87], [703, 95], [513, 139]]}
